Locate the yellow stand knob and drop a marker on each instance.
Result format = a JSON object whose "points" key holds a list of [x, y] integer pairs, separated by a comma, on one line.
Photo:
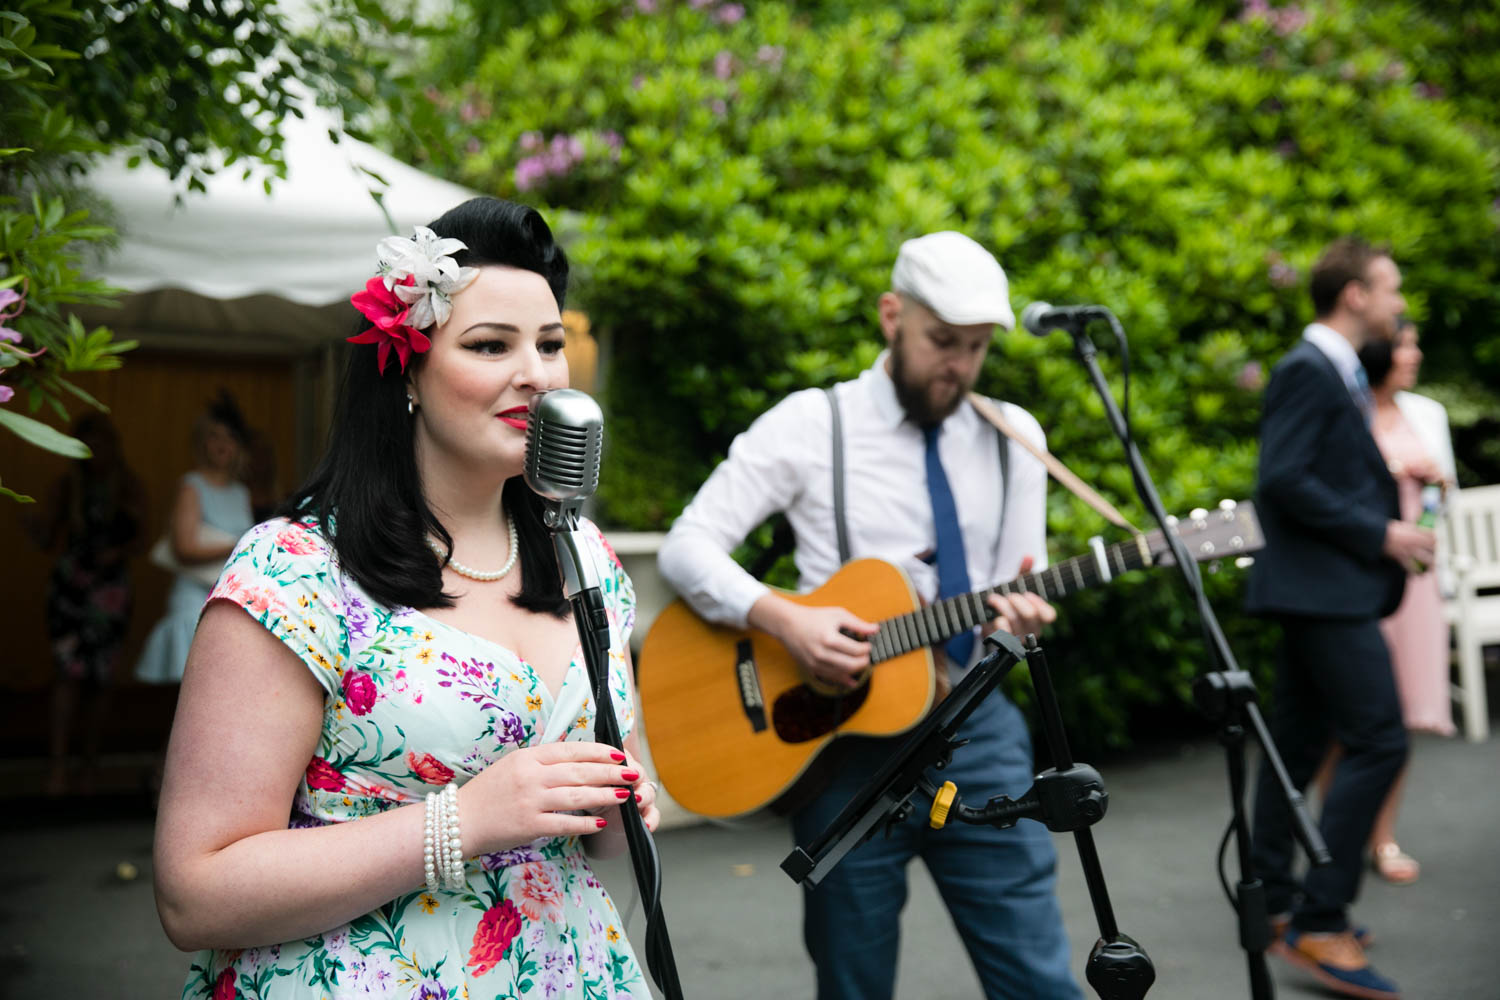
{"points": [[941, 803]]}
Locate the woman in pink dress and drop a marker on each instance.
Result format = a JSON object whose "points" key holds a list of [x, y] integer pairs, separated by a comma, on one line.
{"points": [[1412, 432]]}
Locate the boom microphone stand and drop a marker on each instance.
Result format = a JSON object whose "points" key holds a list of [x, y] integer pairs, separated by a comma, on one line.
{"points": [[1066, 796], [1225, 694]]}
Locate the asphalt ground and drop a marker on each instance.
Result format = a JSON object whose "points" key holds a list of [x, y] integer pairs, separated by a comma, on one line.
{"points": [[71, 926]]}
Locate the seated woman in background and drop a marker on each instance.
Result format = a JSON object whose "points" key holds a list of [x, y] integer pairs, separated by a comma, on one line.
{"points": [[393, 665]]}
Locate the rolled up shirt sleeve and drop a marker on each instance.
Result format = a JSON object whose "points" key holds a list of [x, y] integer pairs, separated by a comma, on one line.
{"points": [[764, 474]]}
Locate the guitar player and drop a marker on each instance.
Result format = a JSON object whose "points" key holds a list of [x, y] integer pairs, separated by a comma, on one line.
{"points": [[921, 482]]}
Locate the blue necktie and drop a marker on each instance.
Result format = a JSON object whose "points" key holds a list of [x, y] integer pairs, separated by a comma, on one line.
{"points": [[1362, 395], [952, 564]]}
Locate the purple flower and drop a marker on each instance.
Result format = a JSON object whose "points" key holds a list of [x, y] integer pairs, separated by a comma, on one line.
{"points": [[719, 107], [1288, 20], [6, 392], [730, 13], [531, 142], [770, 55], [1283, 275], [6, 333], [646, 6], [530, 172], [723, 64]]}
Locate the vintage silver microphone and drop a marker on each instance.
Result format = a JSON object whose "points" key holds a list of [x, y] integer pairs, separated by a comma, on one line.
{"points": [[564, 435]]}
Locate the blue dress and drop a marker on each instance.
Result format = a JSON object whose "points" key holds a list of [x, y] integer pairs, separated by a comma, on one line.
{"points": [[226, 508]]}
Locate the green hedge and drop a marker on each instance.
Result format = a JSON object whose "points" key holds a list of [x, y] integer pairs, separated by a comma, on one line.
{"points": [[745, 181]]}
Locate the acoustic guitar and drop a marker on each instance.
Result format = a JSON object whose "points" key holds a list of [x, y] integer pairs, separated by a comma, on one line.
{"points": [[735, 727]]}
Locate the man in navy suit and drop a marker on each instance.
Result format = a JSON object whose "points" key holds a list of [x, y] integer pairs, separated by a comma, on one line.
{"points": [[1334, 564]]}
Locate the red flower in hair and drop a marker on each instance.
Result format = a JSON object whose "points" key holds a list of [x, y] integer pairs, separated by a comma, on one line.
{"points": [[385, 309]]}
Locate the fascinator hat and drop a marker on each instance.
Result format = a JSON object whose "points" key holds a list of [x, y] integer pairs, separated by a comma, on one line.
{"points": [[411, 292]]}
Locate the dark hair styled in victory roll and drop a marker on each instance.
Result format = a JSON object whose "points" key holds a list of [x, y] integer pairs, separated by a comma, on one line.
{"points": [[366, 491]]}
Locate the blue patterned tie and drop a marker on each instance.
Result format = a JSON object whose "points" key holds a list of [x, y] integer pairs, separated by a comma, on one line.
{"points": [[952, 564], [1362, 396]]}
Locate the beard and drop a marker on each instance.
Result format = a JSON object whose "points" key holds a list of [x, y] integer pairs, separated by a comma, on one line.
{"points": [[925, 403]]}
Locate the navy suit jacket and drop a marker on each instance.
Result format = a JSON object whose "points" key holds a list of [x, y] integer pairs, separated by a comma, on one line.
{"points": [[1324, 495]]}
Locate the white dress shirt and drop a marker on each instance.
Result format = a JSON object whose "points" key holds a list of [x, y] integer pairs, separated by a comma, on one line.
{"points": [[784, 462], [1338, 350]]}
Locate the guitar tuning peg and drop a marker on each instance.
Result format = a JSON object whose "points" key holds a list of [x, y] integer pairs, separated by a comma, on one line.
{"points": [[1197, 514], [1244, 562], [1171, 520], [1227, 506]]}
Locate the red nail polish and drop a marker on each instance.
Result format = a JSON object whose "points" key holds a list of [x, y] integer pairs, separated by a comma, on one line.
{"points": [[618, 758], [638, 796], [601, 822], [630, 775], [623, 793]]}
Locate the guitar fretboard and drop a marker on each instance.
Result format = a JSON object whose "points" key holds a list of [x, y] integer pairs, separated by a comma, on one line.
{"points": [[942, 620]]}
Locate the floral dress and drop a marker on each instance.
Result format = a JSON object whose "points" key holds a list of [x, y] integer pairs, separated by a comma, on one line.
{"points": [[411, 704]]}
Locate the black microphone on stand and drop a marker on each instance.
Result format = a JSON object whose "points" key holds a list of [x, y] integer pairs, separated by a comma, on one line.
{"points": [[1041, 318], [564, 436]]}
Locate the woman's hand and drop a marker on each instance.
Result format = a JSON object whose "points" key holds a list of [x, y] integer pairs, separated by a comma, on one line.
{"points": [[540, 791]]}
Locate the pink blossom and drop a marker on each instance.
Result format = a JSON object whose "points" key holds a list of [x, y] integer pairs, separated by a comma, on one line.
{"points": [[723, 64], [295, 540], [531, 141], [646, 6], [6, 392], [730, 13], [1251, 377], [323, 775], [497, 929], [381, 307], [6, 333], [540, 891], [429, 768], [359, 692], [468, 111], [770, 55]]}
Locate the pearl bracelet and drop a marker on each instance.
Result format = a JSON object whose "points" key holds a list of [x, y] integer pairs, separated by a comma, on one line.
{"points": [[442, 842], [429, 844], [453, 839]]}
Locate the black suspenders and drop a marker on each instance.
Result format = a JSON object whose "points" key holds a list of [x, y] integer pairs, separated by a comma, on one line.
{"points": [[840, 522]]}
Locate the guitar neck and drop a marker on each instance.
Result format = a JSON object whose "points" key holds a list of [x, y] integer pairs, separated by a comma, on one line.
{"points": [[942, 620]]}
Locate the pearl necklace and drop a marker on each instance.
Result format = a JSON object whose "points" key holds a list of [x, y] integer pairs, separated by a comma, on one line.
{"points": [[477, 574]]}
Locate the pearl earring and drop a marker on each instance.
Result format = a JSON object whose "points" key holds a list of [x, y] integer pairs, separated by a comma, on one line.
{"points": [[411, 406]]}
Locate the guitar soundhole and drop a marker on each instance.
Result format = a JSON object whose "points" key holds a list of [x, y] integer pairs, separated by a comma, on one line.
{"points": [[802, 714]]}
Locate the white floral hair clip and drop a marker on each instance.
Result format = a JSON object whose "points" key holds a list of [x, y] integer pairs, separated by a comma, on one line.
{"points": [[412, 291]]}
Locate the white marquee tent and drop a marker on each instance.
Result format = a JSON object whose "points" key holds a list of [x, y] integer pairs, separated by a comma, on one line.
{"points": [[236, 268]]}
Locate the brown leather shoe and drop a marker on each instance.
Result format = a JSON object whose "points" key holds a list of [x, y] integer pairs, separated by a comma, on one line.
{"points": [[1339, 963]]}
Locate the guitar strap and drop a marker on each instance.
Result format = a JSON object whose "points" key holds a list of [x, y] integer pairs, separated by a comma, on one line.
{"points": [[840, 523]]}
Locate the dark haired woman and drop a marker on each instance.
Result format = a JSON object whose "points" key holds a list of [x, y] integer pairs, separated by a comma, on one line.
{"points": [[1412, 432], [96, 511], [209, 514], [392, 664]]}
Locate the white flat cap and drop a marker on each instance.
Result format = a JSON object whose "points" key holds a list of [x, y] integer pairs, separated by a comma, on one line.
{"points": [[959, 280]]}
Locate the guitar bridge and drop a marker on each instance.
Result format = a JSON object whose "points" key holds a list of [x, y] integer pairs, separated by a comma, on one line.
{"points": [[752, 700]]}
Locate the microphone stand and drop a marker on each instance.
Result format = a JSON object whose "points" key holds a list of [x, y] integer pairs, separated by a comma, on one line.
{"points": [[1226, 694], [1065, 797], [581, 584]]}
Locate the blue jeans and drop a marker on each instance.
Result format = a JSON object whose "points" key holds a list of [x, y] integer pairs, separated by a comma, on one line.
{"points": [[998, 885]]}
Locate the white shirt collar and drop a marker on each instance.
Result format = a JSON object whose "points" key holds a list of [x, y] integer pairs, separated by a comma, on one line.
{"points": [[882, 390], [1335, 348]]}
